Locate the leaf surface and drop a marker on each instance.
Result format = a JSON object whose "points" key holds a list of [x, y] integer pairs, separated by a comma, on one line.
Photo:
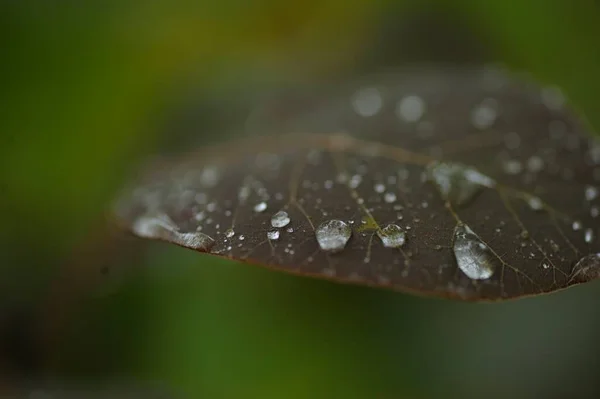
{"points": [[461, 183]]}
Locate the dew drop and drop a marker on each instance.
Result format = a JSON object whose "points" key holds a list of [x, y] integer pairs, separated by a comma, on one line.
{"points": [[411, 108], [553, 98], [260, 207], [280, 219], [588, 235], [389, 198], [367, 102], [241, 237], [535, 164], [576, 225], [355, 181], [161, 227], [457, 182], [591, 193], [594, 211], [333, 235], [512, 167], [379, 188], [535, 203], [484, 115], [229, 233], [392, 236], [273, 235], [472, 255]]}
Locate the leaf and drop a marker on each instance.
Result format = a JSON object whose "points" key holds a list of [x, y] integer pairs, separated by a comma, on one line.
{"points": [[460, 183]]}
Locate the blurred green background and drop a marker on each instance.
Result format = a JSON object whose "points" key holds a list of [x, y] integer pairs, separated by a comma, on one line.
{"points": [[88, 90]]}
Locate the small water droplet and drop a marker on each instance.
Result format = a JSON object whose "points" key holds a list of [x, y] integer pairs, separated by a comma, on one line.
{"points": [[512, 166], [392, 236], [552, 97], [273, 235], [535, 203], [290, 230], [410, 108], [512, 140], [229, 233], [545, 265], [260, 207], [577, 225], [456, 182], [333, 235], [589, 235], [355, 181], [484, 115], [554, 246], [472, 255], [280, 219], [535, 164], [389, 197], [367, 102], [591, 193], [379, 188], [524, 234], [594, 211], [241, 237]]}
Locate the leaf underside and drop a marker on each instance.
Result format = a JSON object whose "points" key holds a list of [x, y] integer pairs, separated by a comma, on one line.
{"points": [[365, 157]]}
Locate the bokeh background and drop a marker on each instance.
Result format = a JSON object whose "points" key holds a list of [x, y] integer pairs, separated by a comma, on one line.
{"points": [[88, 89]]}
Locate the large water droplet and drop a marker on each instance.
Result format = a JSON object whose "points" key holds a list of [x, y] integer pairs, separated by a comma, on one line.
{"points": [[472, 255], [392, 236], [333, 235], [458, 183], [161, 227], [280, 219]]}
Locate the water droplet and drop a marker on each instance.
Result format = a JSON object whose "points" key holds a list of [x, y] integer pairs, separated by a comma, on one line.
{"points": [[290, 229], [328, 184], [355, 181], [554, 246], [512, 140], [241, 237], [472, 255], [389, 197], [367, 102], [535, 203], [594, 211], [553, 98], [545, 265], [535, 164], [229, 233], [577, 225], [273, 235], [484, 115], [280, 219], [410, 108], [457, 183], [379, 188], [512, 167], [260, 207], [589, 236], [333, 235], [392, 236], [209, 176], [161, 227], [591, 193]]}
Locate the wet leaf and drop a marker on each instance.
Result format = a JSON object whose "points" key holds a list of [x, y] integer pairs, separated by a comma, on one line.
{"points": [[467, 184]]}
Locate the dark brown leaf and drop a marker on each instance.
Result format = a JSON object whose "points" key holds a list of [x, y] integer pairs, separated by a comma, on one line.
{"points": [[458, 183]]}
